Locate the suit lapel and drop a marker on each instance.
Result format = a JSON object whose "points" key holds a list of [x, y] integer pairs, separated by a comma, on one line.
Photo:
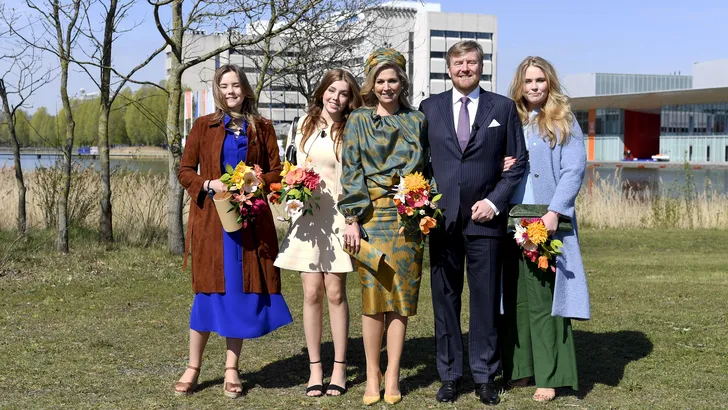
{"points": [[485, 105], [446, 107]]}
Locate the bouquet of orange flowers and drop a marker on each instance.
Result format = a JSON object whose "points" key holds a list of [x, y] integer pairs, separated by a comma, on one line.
{"points": [[531, 235], [245, 192], [296, 189], [414, 204]]}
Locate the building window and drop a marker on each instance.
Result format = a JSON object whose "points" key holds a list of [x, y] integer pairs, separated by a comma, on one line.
{"points": [[468, 35], [707, 154], [485, 36], [169, 54], [437, 33], [452, 34], [437, 54], [487, 57], [690, 153], [169, 71], [438, 76], [486, 77], [726, 153]]}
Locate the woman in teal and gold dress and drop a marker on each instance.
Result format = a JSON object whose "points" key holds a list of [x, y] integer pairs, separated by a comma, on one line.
{"points": [[382, 142]]}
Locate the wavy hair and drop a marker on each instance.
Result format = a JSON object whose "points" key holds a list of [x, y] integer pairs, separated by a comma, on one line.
{"points": [[249, 109], [316, 107], [555, 119], [367, 89]]}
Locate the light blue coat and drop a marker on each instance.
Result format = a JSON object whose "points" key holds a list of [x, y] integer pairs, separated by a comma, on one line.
{"points": [[556, 174]]}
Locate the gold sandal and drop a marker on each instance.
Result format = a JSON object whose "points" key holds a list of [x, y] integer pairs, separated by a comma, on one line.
{"points": [[229, 392], [187, 388]]}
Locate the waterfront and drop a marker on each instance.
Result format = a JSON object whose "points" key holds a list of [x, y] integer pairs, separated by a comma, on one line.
{"points": [[637, 178]]}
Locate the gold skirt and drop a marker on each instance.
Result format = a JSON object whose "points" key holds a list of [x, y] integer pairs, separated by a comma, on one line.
{"points": [[395, 285]]}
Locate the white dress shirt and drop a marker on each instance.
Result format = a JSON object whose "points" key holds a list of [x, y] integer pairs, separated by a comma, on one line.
{"points": [[472, 106], [474, 97]]}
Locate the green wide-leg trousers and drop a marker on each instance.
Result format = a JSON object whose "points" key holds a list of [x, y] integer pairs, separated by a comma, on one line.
{"points": [[534, 342]]}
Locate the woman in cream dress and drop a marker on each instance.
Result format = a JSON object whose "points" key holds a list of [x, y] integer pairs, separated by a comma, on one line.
{"points": [[313, 245]]}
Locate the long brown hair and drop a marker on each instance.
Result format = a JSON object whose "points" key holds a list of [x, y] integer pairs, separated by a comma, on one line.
{"points": [[249, 110], [314, 120], [555, 119]]}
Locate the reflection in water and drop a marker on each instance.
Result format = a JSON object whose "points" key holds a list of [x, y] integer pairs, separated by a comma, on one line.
{"points": [[29, 162], [656, 180]]}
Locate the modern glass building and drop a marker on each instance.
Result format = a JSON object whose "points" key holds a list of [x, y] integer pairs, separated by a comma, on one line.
{"points": [[639, 116], [685, 125]]}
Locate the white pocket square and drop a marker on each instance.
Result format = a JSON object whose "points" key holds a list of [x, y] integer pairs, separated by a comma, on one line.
{"points": [[494, 123]]}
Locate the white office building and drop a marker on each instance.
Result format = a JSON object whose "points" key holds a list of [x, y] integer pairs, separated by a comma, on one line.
{"points": [[420, 31]]}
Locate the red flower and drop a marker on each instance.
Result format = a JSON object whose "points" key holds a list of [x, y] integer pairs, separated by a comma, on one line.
{"points": [[311, 180]]}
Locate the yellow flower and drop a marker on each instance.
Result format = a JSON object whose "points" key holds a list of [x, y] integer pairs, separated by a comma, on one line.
{"points": [[537, 232], [416, 181], [287, 167]]}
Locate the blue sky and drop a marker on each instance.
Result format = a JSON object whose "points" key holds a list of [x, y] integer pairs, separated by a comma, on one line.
{"points": [[637, 36]]}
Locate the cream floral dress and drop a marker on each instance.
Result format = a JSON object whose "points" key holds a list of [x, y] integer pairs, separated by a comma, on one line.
{"points": [[314, 243]]}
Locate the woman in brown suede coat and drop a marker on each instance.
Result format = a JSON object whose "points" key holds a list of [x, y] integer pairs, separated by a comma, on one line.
{"points": [[237, 288]]}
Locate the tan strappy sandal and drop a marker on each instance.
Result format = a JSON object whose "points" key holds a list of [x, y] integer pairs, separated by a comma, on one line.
{"points": [[187, 388], [229, 392]]}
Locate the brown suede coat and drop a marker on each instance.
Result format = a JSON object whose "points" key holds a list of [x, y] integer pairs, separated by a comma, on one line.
{"points": [[204, 231]]}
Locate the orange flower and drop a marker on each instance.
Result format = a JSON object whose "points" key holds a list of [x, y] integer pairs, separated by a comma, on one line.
{"points": [[543, 262], [276, 186], [275, 197], [537, 232], [427, 223], [410, 211], [397, 202]]}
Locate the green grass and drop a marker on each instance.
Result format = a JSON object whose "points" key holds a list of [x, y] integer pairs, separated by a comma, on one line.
{"points": [[108, 329]]}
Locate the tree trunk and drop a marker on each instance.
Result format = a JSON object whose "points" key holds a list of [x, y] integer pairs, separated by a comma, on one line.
{"points": [[21, 220], [63, 222], [105, 215], [175, 230]]}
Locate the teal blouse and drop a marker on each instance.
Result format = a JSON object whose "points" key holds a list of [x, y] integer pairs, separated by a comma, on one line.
{"points": [[376, 151]]}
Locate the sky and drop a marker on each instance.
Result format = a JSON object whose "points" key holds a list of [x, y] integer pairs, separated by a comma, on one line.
{"points": [[577, 36]]}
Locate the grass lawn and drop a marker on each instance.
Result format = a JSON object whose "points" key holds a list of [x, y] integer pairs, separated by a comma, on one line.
{"points": [[108, 329]]}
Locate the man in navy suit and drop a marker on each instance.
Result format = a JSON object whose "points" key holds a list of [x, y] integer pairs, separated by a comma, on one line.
{"points": [[470, 131]]}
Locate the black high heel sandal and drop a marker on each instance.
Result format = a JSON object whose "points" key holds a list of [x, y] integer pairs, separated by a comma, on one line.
{"points": [[317, 387], [337, 388]]}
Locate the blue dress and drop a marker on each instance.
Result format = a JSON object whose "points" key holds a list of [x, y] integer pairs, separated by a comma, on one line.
{"points": [[236, 314]]}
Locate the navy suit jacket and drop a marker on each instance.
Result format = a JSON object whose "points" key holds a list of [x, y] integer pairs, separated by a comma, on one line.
{"points": [[465, 177]]}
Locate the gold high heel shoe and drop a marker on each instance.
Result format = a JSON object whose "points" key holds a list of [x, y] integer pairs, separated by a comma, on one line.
{"points": [[369, 400], [392, 399]]}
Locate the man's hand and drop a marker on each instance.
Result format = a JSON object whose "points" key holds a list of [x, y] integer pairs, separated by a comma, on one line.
{"points": [[482, 211]]}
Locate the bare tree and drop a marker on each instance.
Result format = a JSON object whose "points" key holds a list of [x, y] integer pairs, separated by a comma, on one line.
{"points": [[223, 16], [21, 80], [326, 37], [112, 15], [59, 24]]}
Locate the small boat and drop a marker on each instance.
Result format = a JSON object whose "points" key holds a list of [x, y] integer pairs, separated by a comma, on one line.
{"points": [[661, 157]]}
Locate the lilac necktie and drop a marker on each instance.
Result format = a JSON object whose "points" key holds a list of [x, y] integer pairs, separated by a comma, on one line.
{"points": [[463, 130]]}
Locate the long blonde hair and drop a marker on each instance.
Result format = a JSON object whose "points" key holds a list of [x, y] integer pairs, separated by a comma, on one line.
{"points": [[313, 120], [249, 110], [367, 89], [555, 119]]}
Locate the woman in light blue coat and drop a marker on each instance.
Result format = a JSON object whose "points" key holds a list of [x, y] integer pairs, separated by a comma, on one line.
{"points": [[538, 343]]}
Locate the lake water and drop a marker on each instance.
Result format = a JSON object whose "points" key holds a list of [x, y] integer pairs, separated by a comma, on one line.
{"points": [[638, 178]]}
